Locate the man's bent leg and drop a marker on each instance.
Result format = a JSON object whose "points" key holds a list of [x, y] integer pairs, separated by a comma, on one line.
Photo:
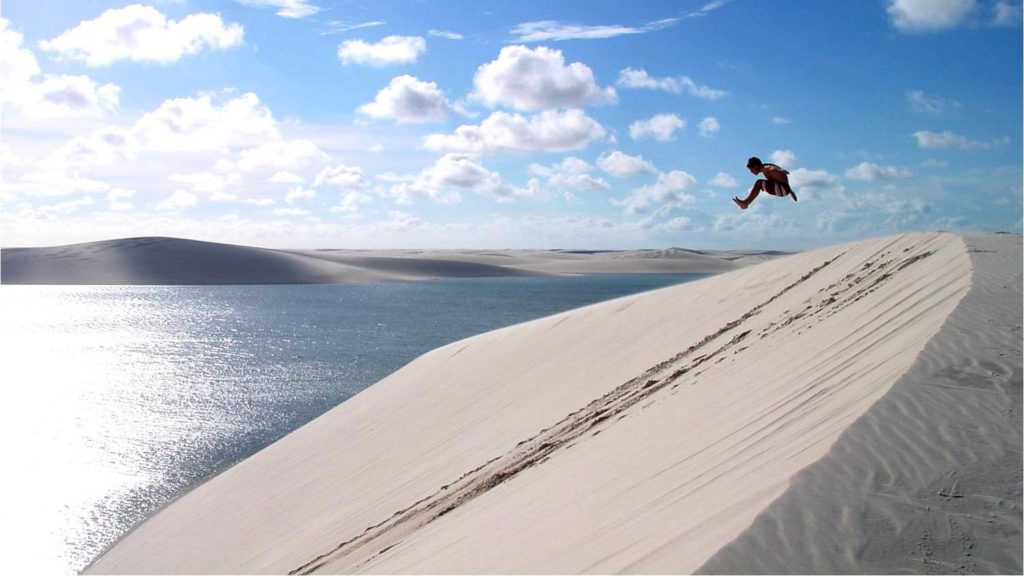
{"points": [[758, 187]]}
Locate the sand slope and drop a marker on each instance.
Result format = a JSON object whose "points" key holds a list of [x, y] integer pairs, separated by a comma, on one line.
{"points": [[929, 479], [639, 435], [159, 261]]}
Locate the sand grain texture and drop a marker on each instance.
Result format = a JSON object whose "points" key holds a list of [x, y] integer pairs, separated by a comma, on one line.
{"points": [[640, 435]]}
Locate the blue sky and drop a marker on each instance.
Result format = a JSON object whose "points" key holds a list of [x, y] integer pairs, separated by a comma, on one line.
{"points": [[462, 124]]}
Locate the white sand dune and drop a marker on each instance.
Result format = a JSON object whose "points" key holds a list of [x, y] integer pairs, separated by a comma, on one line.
{"points": [[565, 261], [682, 429], [157, 260], [929, 479]]}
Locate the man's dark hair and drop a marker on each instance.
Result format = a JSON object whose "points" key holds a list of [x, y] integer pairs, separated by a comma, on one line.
{"points": [[754, 161]]}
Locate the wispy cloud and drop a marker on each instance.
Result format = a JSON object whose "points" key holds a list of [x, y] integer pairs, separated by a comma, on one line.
{"points": [[708, 8], [340, 27], [1006, 14], [947, 139], [285, 8], [633, 78], [547, 30], [448, 35], [921, 102]]}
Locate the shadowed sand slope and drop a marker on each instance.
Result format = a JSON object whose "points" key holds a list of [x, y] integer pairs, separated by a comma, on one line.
{"points": [[642, 434], [929, 479], [178, 261]]}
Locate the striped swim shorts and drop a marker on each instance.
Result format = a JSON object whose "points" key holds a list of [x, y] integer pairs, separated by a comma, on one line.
{"points": [[775, 188]]}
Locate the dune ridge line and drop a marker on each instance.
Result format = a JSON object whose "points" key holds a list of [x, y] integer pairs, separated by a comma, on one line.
{"points": [[668, 421]]}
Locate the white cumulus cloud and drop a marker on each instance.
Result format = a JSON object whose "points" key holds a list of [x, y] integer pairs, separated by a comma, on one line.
{"points": [[813, 179], [550, 131], [208, 182], [724, 180], [621, 165], [709, 127], [669, 190], [19, 64], [68, 96], [929, 15], [117, 199], [298, 193], [453, 173], [36, 95], [408, 99], [538, 79], [179, 200], [342, 176], [281, 155], [871, 172], [570, 174], [661, 127], [784, 158], [390, 50], [466, 172], [201, 124], [54, 182], [285, 177], [350, 201], [101, 147], [143, 34]]}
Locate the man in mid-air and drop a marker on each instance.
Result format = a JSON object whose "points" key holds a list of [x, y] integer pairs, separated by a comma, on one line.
{"points": [[775, 182]]}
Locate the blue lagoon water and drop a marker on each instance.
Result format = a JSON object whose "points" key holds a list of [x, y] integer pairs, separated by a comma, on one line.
{"points": [[119, 399]]}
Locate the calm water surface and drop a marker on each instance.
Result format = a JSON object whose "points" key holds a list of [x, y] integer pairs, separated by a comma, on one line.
{"points": [[119, 399]]}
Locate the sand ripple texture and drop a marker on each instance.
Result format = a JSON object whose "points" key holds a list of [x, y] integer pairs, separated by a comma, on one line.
{"points": [[645, 434], [928, 481]]}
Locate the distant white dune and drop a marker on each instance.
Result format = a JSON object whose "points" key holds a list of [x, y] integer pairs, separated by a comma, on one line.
{"points": [[850, 409], [177, 261]]}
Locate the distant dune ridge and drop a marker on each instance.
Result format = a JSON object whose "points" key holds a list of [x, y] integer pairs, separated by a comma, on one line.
{"points": [[850, 409], [176, 261]]}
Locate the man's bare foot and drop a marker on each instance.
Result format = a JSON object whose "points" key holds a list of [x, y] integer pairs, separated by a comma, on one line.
{"points": [[740, 203]]}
